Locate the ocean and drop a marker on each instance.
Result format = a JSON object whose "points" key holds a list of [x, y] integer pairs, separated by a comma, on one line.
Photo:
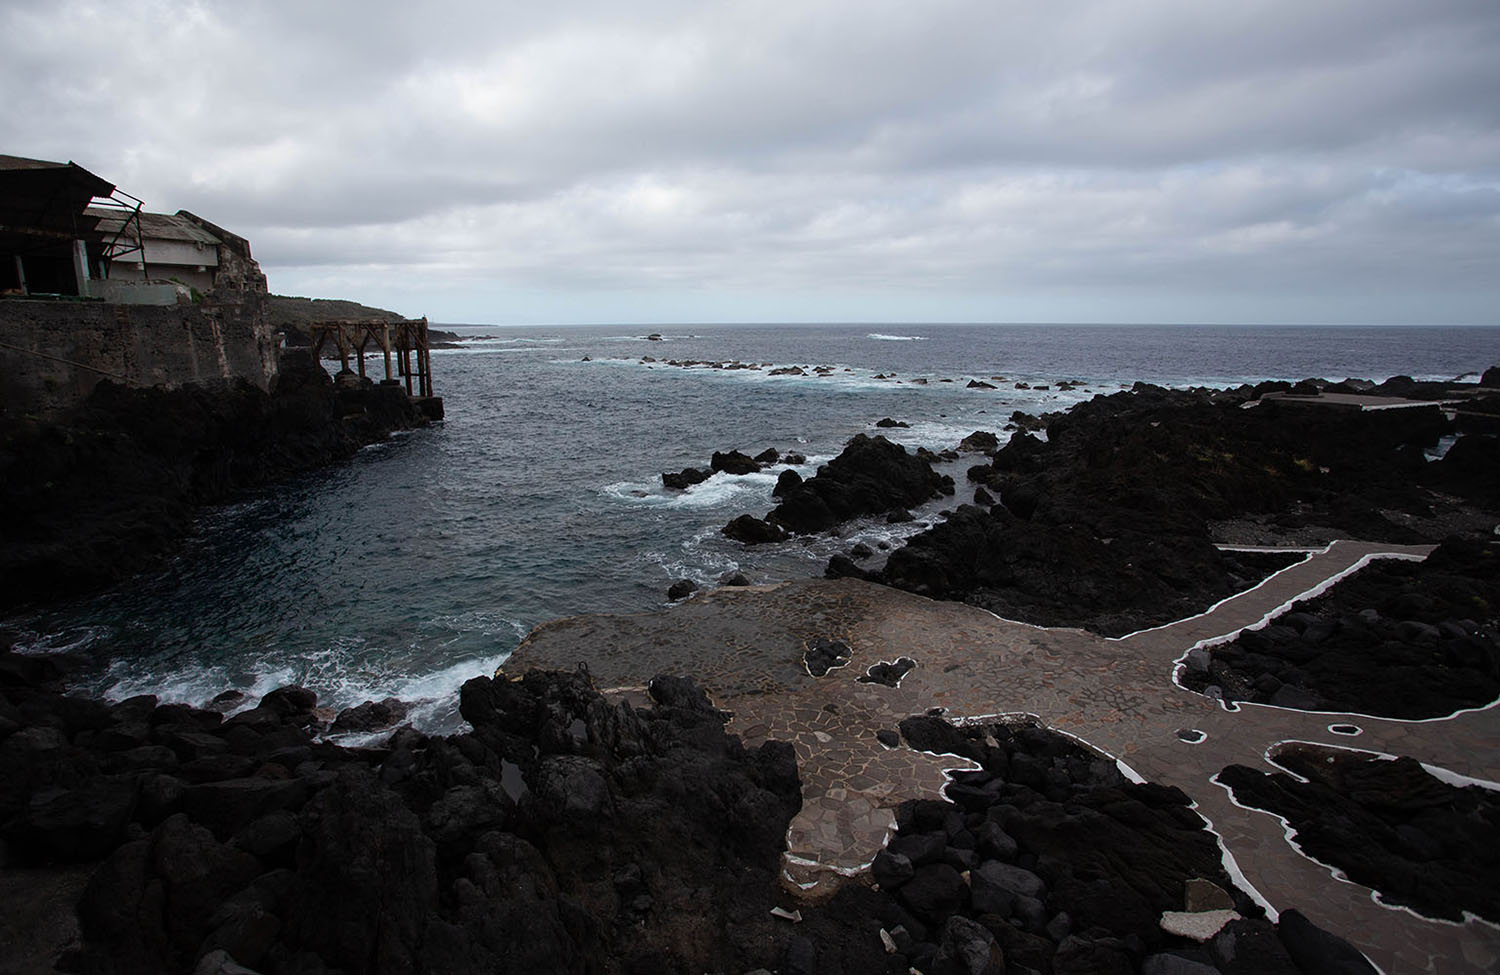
{"points": [[424, 560]]}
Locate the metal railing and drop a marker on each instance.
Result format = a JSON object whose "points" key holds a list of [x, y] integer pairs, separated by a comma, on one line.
{"points": [[129, 239]]}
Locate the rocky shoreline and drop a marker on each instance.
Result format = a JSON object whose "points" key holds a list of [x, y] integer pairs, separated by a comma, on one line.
{"points": [[111, 488], [571, 833], [601, 832], [575, 831], [1126, 514]]}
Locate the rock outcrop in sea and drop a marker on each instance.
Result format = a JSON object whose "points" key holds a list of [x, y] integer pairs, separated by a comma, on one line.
{"points": [[871, 476]]}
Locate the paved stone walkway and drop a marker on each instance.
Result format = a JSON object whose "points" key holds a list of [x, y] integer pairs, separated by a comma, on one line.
{"points": [[746, 645]]}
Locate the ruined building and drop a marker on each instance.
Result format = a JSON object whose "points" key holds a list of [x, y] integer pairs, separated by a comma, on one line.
{"points": [[93, 287]]}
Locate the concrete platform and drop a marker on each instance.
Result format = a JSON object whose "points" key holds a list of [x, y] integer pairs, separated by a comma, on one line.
{"points": [[1355, 401], [745, 647]]}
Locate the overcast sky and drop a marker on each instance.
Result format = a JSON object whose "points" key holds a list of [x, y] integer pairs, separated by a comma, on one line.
{"points": [[803, 160]]}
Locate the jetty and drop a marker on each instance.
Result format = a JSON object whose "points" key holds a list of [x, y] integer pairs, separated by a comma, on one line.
{"points": [[404, 345]]}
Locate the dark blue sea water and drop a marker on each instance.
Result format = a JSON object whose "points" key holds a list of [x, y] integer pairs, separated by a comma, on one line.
{"points": [[423, 561]]}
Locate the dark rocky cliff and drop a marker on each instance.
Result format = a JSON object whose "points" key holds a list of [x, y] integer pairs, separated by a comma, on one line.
{"points": [[110, 487]]}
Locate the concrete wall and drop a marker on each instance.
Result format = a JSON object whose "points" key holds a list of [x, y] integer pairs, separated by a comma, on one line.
{"points": [[53, 353], [131, 292], [181, 253]]}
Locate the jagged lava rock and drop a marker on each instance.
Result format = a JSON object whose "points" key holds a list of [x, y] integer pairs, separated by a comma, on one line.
{"points": [[870, 476]]}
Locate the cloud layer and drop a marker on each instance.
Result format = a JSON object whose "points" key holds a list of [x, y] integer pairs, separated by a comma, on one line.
{"points": [[964, 160]]}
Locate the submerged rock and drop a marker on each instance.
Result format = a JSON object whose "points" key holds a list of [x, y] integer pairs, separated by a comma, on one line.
{"points": [[753, 531], [685, 478], [681, 589]]}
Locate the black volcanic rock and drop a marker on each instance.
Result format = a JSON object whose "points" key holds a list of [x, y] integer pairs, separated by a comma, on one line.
{"points": [[871, 476], [370, 716], [681, 589], [1314, 950], [1387, 824], [1107, 523], [823, 655], [1468, 468], [786, 482], [753, 531], [1069, 866], [1400, 639], [1059, 575], [562, 834], [980, 441], [685, 478], [734, 462]]}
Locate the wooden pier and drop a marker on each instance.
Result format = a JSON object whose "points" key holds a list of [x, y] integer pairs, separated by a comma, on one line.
{"points": [[403, 342]]}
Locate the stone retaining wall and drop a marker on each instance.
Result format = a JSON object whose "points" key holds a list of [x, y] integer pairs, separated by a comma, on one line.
{"points": [[53, 353]]}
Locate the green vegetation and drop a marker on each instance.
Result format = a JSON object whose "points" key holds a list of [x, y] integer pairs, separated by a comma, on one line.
{"points": [[293, 315]]}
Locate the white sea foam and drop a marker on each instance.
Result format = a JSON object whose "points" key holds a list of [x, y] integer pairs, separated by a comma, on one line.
{"points": [[720, 490], [841, 377], [693, 560], [497, 340], [61, 641], [943, 434], [351, 671], [883, 337], [485, 348]]}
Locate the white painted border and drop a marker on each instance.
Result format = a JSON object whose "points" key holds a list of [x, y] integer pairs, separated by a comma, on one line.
{"points": [[1312, 593], [1289, 549], [1290, 834], [1447, 776], [1233, 596], [1226, 858], [1232, 867], [1180, 664], [892, 663]]}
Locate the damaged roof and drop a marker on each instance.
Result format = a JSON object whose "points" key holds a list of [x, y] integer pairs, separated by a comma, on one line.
{"points": [[44, 200], [154, 226]]}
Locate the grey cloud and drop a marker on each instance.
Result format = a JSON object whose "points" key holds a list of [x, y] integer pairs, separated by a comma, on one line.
{"points": [[813, 149]]}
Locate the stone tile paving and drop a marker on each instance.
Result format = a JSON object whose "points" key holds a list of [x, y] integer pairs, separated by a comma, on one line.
{"points": [[745, 646]]}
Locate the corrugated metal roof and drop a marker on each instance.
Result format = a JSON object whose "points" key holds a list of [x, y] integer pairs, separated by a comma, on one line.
{"points": [[154, 226]]}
